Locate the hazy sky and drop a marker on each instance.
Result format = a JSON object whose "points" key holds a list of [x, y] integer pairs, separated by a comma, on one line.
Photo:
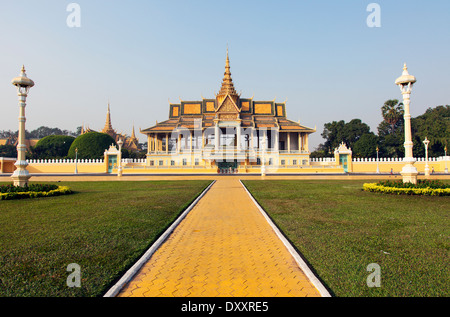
{"points": [[319, 55]]}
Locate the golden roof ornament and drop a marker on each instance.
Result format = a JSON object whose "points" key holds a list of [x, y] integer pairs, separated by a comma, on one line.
{"points": [[227, 87]]}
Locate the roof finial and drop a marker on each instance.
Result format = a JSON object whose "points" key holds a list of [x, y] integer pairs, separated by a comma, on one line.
{"points": [[133, 135], [227, 87], [108, 126], [405, 70]]}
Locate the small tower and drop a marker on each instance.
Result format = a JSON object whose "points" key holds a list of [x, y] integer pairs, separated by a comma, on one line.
{"points": [[108, 129]]}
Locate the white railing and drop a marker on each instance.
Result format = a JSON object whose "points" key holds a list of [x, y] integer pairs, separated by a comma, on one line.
{"points": [[400, 159], [81, 161], [323, 159], [65, 161], [131, 160]]}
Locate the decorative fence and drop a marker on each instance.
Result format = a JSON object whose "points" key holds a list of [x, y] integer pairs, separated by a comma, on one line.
{"points": [[399, 159], [329, 164], [65, 161], [81, 161], [381, 159]]}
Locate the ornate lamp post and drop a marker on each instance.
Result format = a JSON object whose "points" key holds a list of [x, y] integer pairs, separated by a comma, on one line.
{"points": [[378, 162], [446, 169], [119, 168], [263, 161], [23, 84], [76, 160], [405, 82], [427, 168]]}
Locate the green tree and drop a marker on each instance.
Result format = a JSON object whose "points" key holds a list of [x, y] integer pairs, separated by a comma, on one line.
{"points": [[391, 143], [91, 145], [366, 146], [392, 111], [337, 132], [8, 151], [390, 130], [319, 152], [52, 147], [434, 124], [333, 133]]}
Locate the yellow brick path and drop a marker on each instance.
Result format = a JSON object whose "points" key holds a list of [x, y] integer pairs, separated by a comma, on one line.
{"points": [[223, 248]]}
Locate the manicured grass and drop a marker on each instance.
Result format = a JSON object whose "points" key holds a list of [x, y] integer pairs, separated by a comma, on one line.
{"points": [[104, 227], [341, 229]]}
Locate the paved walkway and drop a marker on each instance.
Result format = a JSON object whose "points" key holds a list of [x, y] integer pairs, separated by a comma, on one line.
{"points": [[223, 248]]}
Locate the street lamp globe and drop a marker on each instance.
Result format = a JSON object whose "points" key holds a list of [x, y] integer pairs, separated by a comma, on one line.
{"points": [[22, 82], [405, 81]]}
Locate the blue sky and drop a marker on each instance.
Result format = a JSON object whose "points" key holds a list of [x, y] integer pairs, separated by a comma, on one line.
{"points": [[319, 55]]}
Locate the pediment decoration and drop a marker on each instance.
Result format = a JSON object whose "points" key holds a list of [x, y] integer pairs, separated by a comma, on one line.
{"points": [[228, 106]]}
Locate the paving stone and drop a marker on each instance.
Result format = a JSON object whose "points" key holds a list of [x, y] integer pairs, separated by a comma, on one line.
{"points": [[223, 248]]}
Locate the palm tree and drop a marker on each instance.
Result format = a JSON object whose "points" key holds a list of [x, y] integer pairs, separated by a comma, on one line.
{"points": [[392, 112]]}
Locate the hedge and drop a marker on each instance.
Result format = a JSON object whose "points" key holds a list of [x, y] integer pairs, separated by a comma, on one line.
{"points": [[91, 145], [427, 191], [61, 190]]}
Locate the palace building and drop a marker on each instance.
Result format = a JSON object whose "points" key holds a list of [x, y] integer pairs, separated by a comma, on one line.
{"points": [[228, 133]]}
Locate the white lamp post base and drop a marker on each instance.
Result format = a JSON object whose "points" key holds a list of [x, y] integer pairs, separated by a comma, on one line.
{"points": [[20, 178], [427, 170], [409, 173]]}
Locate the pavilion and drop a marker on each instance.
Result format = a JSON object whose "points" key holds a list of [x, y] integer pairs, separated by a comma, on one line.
{"points": [[227, 132]]}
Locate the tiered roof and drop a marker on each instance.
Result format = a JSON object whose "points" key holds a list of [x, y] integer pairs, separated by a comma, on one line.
{"points": [[227, 106]]}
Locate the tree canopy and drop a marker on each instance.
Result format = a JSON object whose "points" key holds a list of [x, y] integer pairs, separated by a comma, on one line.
{"points": [[91, 145], [39, 133], [392, 113], [52, 146], [433, 124], [350, 133], [8, 151]]}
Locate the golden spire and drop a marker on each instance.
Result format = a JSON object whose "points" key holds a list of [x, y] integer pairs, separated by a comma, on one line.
{"points": [[133, 135], [227, 87], [108, 129]]}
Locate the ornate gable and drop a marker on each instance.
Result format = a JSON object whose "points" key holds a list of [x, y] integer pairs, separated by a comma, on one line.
{"points": [[228, 110]]}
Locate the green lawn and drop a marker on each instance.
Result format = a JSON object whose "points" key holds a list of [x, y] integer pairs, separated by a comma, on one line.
{"points": [[340, 230], [104, 227]]}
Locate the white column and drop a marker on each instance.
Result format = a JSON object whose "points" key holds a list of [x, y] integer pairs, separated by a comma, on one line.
{"points": [[306, 142], [289, 142], [21, 174], [216, 137], [409, 171], [277, 141], [238, 136], [167, 143], [252, 141], [203, 140]]}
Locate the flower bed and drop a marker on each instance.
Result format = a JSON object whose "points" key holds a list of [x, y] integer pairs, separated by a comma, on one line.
{"points": [[423, 187], [8, 192]]}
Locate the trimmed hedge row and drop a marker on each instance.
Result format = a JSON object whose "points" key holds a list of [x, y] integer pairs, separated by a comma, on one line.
{"points": [[61, 190], [421, 183], [10, 188], [427, 191]]}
